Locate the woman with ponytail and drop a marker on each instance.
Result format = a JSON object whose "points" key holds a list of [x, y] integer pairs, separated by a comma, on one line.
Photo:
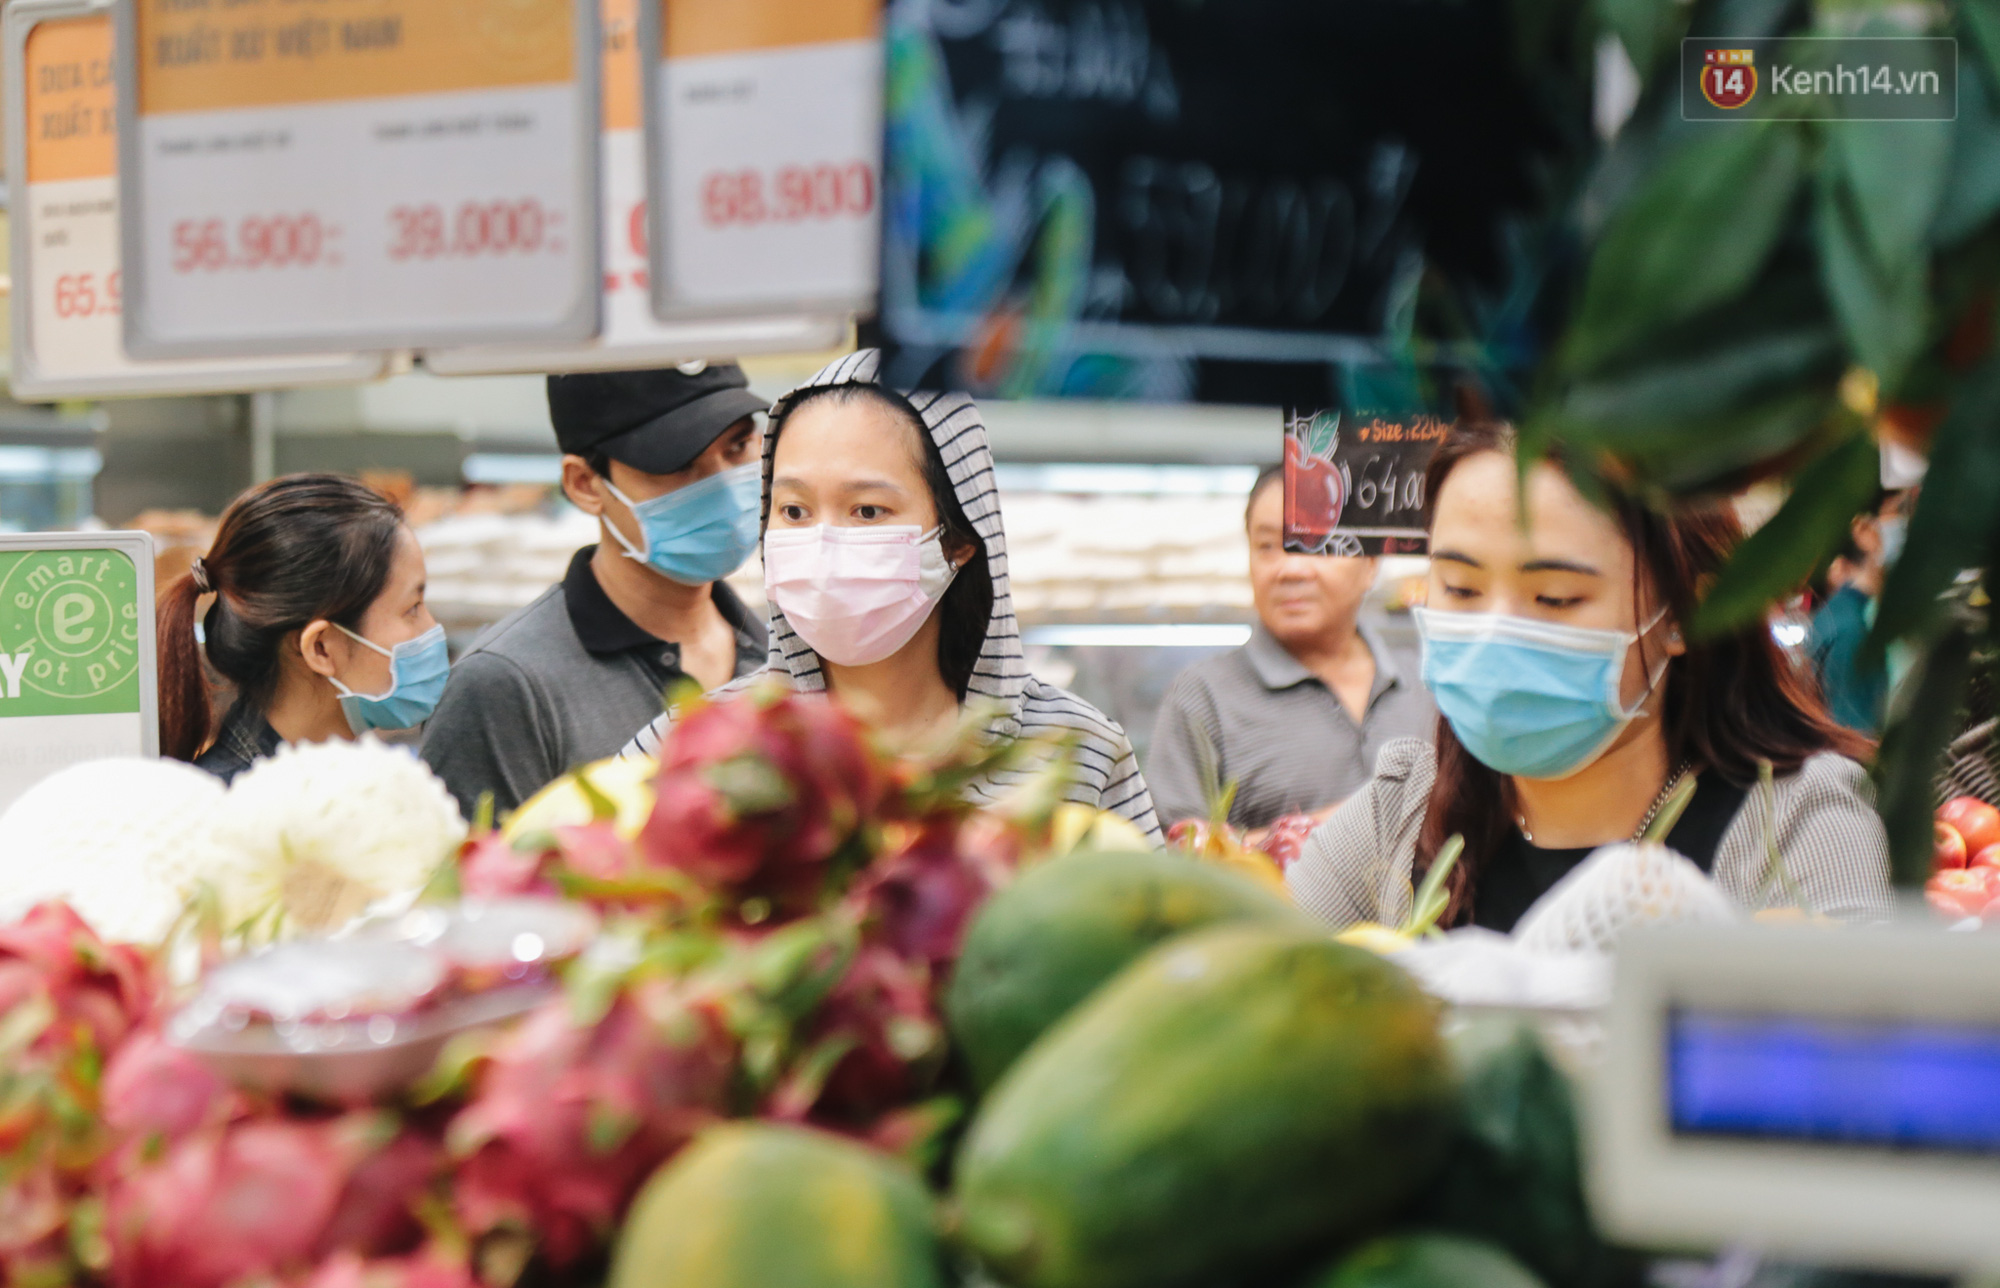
{"points": [[318, 623]]}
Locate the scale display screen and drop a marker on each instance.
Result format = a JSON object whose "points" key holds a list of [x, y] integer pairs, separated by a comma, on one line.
{"points": [[1896, 1085]]}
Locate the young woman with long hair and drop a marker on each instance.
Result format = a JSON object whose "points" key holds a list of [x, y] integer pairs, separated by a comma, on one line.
{"points": [[886, 566], [318, 624], [1572, 703]]}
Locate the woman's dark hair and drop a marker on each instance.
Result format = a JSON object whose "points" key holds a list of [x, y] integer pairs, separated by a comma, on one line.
{"points": [[967, 608], [1730, 701], [294, 551]]}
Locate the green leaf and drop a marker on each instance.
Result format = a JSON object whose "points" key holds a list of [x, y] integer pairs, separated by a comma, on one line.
{"points": [[1972, 193], [1895, 171], [1825, 497], [1645, 27], [1955, 517], [1980, 19], [1322, 433], [1719, 453], [1703, 385], [1885, 313], [1921, 727], [1696, 234]]}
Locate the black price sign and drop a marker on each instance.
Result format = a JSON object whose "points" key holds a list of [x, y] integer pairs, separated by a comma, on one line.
{"points": [[1165, 200], [1354, 485]]}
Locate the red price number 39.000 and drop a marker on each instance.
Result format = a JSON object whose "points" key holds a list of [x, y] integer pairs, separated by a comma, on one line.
{"points": [[80, 295], [794, 194], [274, 241], [475, 228]]}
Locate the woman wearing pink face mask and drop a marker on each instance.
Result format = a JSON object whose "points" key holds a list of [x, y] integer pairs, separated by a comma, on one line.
{"points": [[886, 568]]}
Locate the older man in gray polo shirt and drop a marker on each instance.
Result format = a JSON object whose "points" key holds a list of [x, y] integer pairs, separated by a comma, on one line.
{"points": [[1297, 715]]}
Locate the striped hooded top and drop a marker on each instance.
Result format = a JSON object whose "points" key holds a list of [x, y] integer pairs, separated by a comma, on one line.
{"points": [[1107, 771]]}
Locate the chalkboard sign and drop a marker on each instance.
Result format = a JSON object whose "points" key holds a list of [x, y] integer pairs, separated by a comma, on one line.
{"points": [[1357, 488], [1224, 201]]}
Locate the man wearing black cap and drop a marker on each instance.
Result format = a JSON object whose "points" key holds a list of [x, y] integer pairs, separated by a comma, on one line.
{"points": [[669, 463]]}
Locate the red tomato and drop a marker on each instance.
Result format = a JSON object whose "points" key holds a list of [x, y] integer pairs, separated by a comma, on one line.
{"points": [[1963, 893], [1948, 849], [1976, 821]]}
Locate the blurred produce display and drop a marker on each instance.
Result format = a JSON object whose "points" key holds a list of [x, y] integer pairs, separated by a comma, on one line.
{"points": [[779, 1010]]}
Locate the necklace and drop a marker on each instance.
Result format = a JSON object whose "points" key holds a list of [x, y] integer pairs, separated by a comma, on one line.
{"points": [[1674, 780]]}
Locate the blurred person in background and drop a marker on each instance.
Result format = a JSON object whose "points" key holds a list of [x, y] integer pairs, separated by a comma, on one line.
{"points": [[666, 461], [1857, 691], [318, 622], [886, 566], [1297, 716], [1573, 707]]}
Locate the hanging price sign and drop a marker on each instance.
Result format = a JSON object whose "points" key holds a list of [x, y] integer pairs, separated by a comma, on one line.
{"points": [[369, 173], [68, 291], [632, 337], [764, 126]]}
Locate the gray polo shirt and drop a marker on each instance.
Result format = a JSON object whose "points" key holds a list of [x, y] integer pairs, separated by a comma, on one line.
{"points": [[563, 682], [1278, 731]]}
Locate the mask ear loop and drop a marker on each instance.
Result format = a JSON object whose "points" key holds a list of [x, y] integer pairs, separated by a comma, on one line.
{"points": [[631, 507], [1638, 708], [365, 642]]}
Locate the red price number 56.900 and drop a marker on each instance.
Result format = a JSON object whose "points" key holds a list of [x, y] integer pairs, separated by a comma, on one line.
{"points": [[276, 241], [80, 295], [793, 194]]}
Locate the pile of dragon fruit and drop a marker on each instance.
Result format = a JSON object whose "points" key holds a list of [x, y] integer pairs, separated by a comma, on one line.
{"points": [[772, 944]]}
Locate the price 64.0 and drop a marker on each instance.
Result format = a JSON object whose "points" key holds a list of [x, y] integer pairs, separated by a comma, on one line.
{"points": [[81, 295]]}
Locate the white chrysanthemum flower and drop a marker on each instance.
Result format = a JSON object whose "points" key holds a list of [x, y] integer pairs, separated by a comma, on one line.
{"points": [[124, 842], [321, 831]]}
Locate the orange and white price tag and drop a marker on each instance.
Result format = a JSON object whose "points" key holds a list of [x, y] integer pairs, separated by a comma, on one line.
{"points": [[392, 174], [764, 127], [632, 336], [68, 286]]}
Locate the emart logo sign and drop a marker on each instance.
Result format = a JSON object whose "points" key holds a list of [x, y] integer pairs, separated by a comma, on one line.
{"points": [[1729, 77]]}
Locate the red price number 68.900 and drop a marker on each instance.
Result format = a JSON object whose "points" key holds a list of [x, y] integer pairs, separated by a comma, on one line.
{"points": [[793, 194]]}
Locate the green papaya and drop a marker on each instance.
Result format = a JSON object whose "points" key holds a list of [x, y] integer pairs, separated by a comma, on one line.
{"points": [[1426, 1261], [1046, 942], [751, 1205], [1513, 1173], [1236, 1100]]}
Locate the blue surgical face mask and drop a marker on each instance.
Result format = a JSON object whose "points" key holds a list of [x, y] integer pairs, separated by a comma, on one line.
{"points": [[418, 669], [700, 533], [1529, 699]]}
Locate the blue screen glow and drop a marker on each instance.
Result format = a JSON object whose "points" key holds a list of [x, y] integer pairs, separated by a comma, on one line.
{"points": [[1895, 1085]]}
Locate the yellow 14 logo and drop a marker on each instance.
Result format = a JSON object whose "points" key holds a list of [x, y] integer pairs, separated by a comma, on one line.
{"points": [[1728, 77]]}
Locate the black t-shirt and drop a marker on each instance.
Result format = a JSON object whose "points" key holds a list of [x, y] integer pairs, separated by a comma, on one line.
{"points": [[1522, 873]]}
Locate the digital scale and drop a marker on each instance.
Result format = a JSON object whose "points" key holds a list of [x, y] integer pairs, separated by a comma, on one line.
{"points": [[1828, 1096]]}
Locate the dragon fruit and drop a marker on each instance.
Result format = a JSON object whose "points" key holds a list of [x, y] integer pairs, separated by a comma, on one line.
{"points": [[874, 1045], [66, 1000], [267, 1197], [763, 797], [491, 867], [430, 1268], [155, 1090], [917, 899], [1285, 839], [51, 958], [568, 1120]]}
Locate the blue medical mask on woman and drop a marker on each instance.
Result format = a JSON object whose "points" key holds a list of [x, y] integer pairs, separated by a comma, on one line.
{"points": [[699, 533], [418, 669], [1529, 699]]}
